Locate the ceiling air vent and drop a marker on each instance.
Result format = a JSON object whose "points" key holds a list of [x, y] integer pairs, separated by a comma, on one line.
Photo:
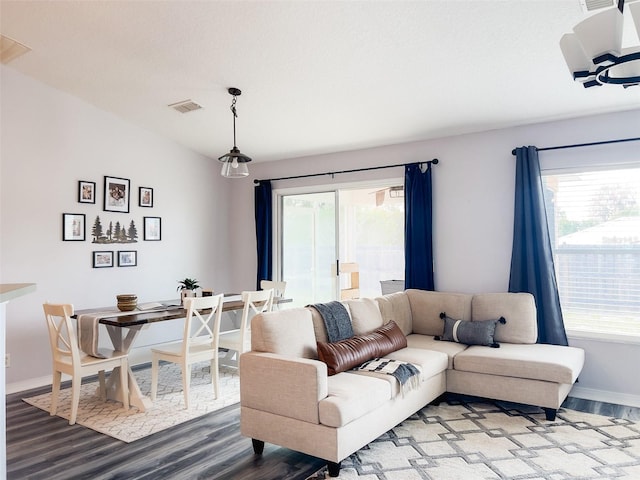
{"points": [[185, 106], [591, 5]]}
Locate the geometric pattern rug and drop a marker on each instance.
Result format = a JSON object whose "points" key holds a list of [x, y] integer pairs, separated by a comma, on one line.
{"points": [[167, 411], [460, 440]]}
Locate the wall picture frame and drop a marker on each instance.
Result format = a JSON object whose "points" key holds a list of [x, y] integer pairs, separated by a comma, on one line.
{"points": [[73, 227], [145, 197], [86, 192], [116, 194], [102, 259], [152, 229], [127, 258]]}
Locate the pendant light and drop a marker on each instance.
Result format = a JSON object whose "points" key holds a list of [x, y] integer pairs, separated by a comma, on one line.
{"points": [[594, 52], [234, 163]]}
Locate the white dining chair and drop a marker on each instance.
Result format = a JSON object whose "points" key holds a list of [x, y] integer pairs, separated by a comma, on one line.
{"points": [[68, 359], [199, 343], [278, 287], [239, 340]]}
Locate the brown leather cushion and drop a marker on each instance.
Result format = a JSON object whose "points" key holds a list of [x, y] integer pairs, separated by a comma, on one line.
{"points": [[351, 352]]}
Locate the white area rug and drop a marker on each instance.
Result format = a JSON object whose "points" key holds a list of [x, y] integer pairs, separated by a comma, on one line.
{"points": [[485, 440], [167, 411]]}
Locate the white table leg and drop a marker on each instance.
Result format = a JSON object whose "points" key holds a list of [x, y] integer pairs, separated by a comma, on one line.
{"points": [[123, 344]]}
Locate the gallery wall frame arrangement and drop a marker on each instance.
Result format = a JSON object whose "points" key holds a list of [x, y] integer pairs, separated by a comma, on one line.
{"points": [[127, 258], [152, 229], [145, 197], [73, 227], [102, 259], [109, 230], [116, 194], [86, 192]]}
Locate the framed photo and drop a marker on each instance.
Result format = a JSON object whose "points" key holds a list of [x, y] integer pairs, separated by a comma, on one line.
{"points": [[116, 194], [127, 258], [102, 259], [73, 227], [86, 192], [145, 197], [152, 228]]}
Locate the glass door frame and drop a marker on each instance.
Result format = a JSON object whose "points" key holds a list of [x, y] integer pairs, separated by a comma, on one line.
{"points": [[277, 199]]}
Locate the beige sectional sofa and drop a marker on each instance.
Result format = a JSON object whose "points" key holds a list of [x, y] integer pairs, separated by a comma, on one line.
{"points": [[288, 398]]}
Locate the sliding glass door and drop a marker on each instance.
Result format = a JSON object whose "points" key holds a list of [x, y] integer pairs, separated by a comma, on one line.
{"points": [[308, 246], [340, 244]]}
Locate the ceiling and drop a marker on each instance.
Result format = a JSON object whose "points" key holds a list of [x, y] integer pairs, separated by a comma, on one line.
{"points": [[316, 76]]}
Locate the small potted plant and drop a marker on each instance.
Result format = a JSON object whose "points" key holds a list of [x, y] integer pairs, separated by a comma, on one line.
{"points": [[187, 288]]}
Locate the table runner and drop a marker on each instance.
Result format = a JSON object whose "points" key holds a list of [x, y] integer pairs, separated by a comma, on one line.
{"points": [[88, 330]]}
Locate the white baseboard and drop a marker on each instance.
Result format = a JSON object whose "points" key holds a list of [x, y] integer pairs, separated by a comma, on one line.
{"points": [[605, 396], [28, 384]]}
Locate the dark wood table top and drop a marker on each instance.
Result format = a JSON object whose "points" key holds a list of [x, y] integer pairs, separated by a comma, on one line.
{"points": [[171, 312]]}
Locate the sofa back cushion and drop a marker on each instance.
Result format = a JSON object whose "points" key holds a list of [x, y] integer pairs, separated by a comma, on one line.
{"points": [[365, 315], [519, 310], [396, 307], [285, 332], [426, 307]]}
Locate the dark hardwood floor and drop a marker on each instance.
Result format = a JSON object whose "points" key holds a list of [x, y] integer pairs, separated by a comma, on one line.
{"points": [[40, 446]]}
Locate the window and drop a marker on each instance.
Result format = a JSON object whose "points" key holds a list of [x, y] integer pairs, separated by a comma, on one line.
{"points": [[594, 223]]}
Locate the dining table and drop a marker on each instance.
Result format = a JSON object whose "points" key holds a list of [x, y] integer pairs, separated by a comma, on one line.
{"points": [[124, 327]]}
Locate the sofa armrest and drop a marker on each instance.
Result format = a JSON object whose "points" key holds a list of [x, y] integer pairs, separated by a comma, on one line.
{"points": [[291, 387]]}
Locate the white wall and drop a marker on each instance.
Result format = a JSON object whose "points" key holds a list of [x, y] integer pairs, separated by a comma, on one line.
{"points": [[473, 216], [51, 140]]}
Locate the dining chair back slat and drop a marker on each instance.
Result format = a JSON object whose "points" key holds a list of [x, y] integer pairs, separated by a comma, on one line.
{"points": [[239, 340], [279, 287]]}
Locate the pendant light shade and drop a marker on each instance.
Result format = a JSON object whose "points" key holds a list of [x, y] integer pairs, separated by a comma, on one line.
{"points": [[594, 53], [234, 163]]}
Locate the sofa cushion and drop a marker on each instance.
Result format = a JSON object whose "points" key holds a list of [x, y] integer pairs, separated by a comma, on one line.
{"points": [[552, 363], [478, 332], [429, 362], [285, 332], [365, 315], [426, 307], [350, 397], [396, 307], [518, 308], [428, 342], [351, 352]]}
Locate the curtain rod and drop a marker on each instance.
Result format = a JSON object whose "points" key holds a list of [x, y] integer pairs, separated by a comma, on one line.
{"points": [[257, 182], [560, 147]]}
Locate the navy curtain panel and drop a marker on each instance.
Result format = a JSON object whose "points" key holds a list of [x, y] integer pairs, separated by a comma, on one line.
{"points": [[532, 268], [418, 242], [264, 225]]}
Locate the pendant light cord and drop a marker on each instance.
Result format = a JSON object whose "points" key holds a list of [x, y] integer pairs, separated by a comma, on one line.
{"points": [[235, 115]]}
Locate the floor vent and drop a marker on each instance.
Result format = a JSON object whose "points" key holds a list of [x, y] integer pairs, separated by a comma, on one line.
{"points": [[185, 106]]}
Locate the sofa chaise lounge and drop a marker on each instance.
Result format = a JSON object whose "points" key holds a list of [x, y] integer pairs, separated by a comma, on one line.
{"points": [[288, 397]]}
